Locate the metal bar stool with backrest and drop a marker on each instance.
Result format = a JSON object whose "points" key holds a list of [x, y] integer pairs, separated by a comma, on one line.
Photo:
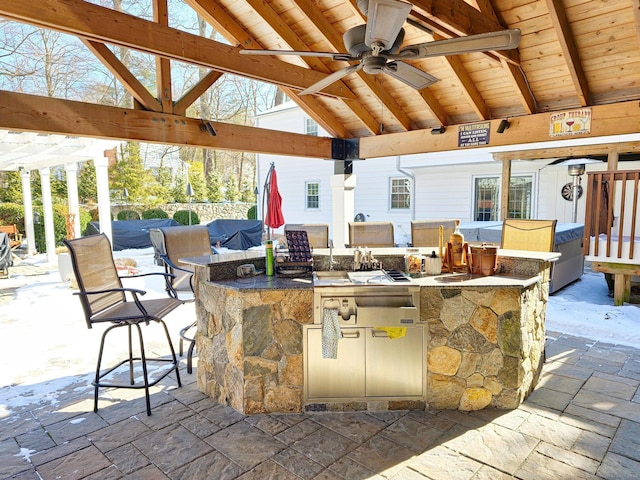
{"points": [[371, 234], [526, 234], [105, 300], [170, 245]]}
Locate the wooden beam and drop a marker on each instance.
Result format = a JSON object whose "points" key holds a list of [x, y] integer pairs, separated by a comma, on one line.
{"points": [[636, 16], [438, 111], [83, 19], [569, 50], [195, 92], [163, 65], [52, 115], [521, 86], [122, 73], [505, 189], [576, 151], [615, 119]]}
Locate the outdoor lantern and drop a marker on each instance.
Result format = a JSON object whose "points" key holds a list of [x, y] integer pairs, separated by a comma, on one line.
{"points": [[36, 218]]}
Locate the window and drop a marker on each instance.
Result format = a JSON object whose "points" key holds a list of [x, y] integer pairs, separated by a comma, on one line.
{"points": [[400, 193], [313, 195], [311, 127], [486, 204]]}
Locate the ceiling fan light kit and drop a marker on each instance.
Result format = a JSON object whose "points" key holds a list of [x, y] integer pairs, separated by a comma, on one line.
{"points": [[504, 125], [376, 46]]}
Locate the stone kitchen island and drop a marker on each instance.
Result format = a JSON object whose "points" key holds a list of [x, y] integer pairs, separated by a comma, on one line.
{"points": [[482, 342]]}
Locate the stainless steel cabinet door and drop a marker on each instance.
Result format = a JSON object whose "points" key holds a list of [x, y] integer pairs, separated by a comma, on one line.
{"points": [[342, 377], [394, 367]]}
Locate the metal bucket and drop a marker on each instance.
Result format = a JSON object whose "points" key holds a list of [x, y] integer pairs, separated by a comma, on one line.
{"points": [[484, 260]]}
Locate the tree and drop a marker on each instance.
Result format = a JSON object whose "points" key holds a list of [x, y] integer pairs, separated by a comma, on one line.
{"points": [[11, 191], [87, 187], [214, 188], [231, 191], [129, 173], [246, 193]]}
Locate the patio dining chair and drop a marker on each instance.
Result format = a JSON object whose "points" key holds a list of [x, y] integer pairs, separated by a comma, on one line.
{"points": [[526, 234], [426, 233], [371, 234], [105, 300], [170, 245]]}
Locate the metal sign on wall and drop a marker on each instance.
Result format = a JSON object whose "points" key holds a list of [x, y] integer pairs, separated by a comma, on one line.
{"points": [[572, 122], [474, 135]]}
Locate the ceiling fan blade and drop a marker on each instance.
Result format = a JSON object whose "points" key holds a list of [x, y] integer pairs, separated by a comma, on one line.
{"points": [[384, 21], [329, 79], [302, 53], [503, 40], [409, 75]]}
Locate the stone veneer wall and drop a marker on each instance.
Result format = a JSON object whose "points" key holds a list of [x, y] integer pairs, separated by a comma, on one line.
{"points": [[250, 347], [485, 345]]}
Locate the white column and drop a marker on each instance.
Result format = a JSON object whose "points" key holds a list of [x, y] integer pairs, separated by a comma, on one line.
{"points": [[343, 200], [27, 201], [104, 202], [72, 196], [47, 208]]}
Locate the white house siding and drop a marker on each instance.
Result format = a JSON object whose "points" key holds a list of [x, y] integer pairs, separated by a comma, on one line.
{"points": [[444, 182]]}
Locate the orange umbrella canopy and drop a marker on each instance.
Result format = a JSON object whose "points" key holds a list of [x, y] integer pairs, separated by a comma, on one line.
{"points": [[273, 217]]}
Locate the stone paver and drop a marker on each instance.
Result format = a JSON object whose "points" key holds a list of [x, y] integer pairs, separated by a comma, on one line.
{"points": [[581, 422]]}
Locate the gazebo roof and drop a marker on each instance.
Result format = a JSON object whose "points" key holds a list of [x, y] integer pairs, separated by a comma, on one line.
{"points": [[33, 150]]}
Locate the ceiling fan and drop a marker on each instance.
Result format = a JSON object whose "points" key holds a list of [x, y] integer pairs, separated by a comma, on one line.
{"points": [[376, 46]]}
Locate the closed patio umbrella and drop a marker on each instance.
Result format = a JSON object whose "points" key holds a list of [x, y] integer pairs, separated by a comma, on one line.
{"points": [[273, 217]]}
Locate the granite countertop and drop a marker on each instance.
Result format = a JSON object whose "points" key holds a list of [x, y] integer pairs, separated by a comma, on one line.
{"points": [[263, 282]]}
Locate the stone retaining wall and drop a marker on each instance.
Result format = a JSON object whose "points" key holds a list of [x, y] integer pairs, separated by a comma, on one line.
{"points": [[206, 211]]}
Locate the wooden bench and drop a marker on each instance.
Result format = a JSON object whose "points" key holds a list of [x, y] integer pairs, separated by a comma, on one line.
{"points": [[15, 237]]}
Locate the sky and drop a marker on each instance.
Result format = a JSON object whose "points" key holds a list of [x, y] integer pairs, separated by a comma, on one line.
{"points": [[47, 349]]}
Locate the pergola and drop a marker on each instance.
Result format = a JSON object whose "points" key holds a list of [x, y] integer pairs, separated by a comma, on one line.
{"points": [[26, 151], [575, 57]]}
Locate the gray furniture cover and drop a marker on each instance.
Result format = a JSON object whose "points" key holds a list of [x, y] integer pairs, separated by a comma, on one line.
{"points": [[6, 260], [131, 233], [235, 234]]}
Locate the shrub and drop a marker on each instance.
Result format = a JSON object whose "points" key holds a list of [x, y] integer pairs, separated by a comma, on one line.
{"points": [[12, 213], [252, 213], [182, 216], [154, 213], [128, 215]]}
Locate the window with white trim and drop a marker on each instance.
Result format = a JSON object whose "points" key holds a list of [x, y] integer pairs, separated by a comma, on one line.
{"points": [[311, 127], [312, 195], [486, 202], [400, 193]]}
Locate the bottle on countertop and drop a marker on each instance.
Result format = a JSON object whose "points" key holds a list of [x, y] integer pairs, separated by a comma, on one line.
{"points": [[268, 246], [457, 242]]}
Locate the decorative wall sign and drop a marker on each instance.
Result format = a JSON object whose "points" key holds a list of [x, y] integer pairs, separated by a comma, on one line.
{"points": [[573, 122], [473, 135]]}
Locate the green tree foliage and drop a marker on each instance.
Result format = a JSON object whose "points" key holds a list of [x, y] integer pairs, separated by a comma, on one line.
{"points": [[252, 213], [198, 184], [129, 173], [179, 190], [231, 192], [246, 193], [214, 188], [11, 190], [87, 186]]}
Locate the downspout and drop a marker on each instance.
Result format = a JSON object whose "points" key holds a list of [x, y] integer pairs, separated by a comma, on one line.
{"points": [[413, 186]]}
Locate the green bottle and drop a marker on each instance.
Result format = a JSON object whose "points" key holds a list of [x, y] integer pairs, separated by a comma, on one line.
{"points": [[269, 257]]}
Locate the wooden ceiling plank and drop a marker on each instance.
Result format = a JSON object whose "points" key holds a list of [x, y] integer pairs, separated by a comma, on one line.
{"points": [[636, 16], [569, 50], [80, 18], [463, 19], [312, 106], [521, 86], [438, 111], [195, 92], [213, 13], [124, 76], [33, 113]]}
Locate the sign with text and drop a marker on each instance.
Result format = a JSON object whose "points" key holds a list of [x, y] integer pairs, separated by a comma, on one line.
{"points": [[473, 135], [573, 122]]}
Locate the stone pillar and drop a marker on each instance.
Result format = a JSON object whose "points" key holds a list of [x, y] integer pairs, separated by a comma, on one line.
{"points": [[25, 175], [343, 202], [104, 202], [47, 207], [72, 196]]}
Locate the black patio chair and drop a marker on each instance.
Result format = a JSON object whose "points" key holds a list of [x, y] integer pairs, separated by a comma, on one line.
{"points": [[105, 300]]}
